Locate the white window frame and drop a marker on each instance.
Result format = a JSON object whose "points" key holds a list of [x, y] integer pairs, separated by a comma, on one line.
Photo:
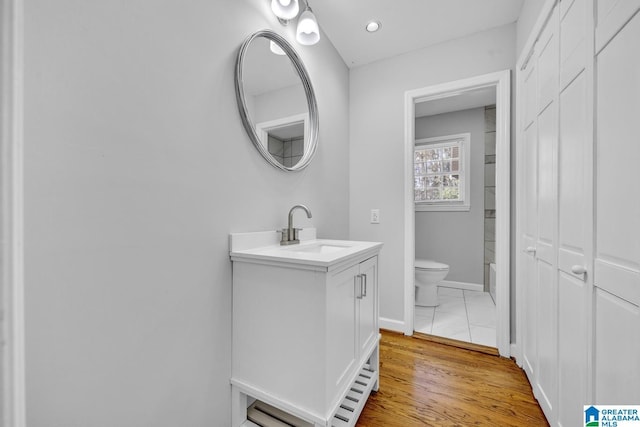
{"points": [[465, 168]]}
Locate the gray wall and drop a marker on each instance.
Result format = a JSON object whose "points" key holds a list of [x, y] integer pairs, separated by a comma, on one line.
{"points": [[456, 238], [377, 139], [280, 103], [137, 168]]}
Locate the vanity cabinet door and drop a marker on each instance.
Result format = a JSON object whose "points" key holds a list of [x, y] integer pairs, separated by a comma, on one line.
{"points": [[341, 329], [352, 322], [368, 306]]}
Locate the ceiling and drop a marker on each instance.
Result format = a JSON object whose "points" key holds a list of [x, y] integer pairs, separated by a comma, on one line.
{"points": [[406, 24]]}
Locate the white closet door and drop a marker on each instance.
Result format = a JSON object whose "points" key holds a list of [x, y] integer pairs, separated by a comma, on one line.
{"points": [[575, 215], [574, 279], [545, 386], [617, 265], [529, 222]]}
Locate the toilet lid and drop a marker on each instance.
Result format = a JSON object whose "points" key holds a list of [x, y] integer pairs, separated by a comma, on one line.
{"points": [[428, 264]]}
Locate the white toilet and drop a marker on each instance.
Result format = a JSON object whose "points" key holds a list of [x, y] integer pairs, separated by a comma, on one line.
{"points": [[428, 274]]}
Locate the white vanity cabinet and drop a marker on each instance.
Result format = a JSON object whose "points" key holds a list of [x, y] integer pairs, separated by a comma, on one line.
{"points": [[305, 330]]}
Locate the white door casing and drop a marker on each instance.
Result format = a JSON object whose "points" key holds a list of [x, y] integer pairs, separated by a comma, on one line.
{"points": [[501, 81], [12, 397]]}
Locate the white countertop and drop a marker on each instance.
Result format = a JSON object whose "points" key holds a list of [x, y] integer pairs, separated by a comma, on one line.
{"points": [[324, 253]]}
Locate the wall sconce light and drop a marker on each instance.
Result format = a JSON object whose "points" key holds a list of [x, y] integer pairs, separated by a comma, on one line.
{"points": [[285, 9], [307, 31]]}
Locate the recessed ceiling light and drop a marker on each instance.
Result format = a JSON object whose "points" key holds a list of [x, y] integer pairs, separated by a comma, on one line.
{"points": [[373, 26]]}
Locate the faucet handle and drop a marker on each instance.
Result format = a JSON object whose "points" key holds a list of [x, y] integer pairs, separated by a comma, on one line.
{"points": [[284, 235], [296, 233]]}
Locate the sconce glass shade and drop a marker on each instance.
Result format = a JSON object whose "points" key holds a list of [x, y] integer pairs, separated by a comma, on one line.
{"points": [[308, 32], [285, 9]]}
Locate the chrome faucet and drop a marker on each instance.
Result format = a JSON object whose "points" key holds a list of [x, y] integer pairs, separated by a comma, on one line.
{"points": [[290, 234]]}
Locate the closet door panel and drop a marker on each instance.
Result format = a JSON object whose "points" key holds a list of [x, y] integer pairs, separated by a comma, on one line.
{"points": [[618, 280], [574, 181], [618, 160], [618, 174], [572, 349], [617, 366], [573, 43], [547, 194], [548, 63], [617, 264], [611, 15], [530, 183], [547, 338], [530, 318]]}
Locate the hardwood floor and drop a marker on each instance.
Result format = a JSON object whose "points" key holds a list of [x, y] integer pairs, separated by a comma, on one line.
{"points": [[426, 383]]}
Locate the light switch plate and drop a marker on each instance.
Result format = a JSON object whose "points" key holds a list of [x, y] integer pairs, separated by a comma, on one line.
{"points": [[375, 216]]}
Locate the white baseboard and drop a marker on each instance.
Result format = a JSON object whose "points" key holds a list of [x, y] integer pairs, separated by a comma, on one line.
{"points": [[515, 354], [462, 285], [391, 324]]}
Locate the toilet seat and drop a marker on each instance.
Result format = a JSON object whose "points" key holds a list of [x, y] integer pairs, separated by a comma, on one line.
{"points": [[427, 264]]}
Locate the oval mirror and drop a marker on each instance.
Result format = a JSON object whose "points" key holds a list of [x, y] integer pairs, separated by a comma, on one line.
{"points": [[276, 101]]}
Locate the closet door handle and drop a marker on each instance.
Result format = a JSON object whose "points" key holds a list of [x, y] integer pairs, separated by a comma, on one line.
{"points": [[578, 269], [531, 249]]}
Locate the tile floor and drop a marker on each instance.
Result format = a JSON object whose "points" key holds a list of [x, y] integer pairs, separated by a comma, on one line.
{"points": [[462, 315]]}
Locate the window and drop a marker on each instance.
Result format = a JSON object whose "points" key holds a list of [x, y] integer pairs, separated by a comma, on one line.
{"points": [[440, 167]]}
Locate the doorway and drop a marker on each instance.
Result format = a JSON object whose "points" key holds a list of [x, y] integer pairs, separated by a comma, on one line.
{"points": [[451, 92]]}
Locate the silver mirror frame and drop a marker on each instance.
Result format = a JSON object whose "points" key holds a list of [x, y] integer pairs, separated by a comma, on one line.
{"points": [[249, 126]]}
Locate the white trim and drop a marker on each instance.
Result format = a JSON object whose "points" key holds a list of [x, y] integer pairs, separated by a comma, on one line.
{"points": [[515, 354], [263, 128], [11, 146], [409, 212], [442, 208], [503, 214], [467, 286], [392, 325], [292, 408], [501, 80]]}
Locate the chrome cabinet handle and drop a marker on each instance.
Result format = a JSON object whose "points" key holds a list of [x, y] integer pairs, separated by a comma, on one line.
{"points": [[364, 276], [531, 249], [359, 276], [578, 269]]}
